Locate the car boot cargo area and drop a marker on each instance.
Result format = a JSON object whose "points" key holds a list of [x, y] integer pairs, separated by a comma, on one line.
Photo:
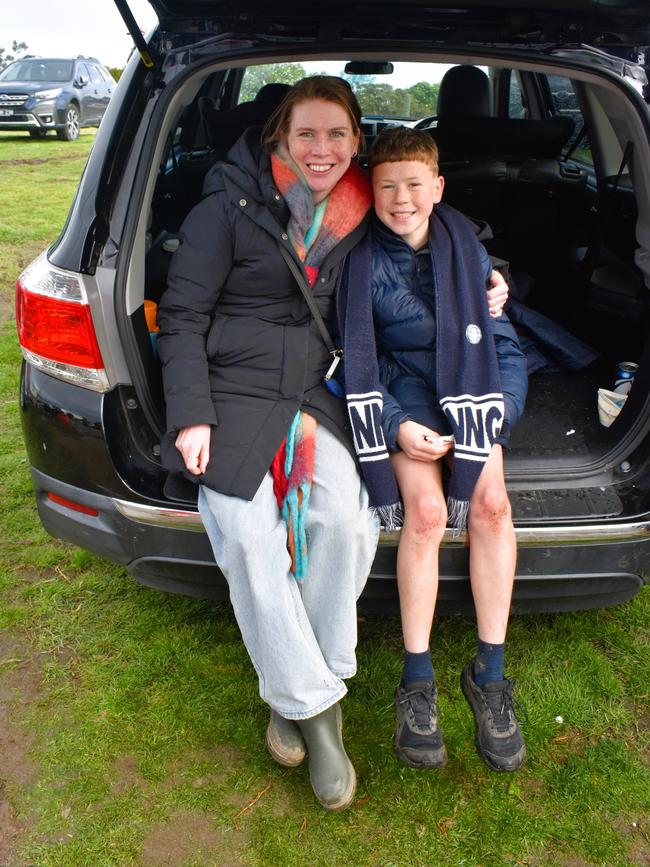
{"points": [[562, 221]]}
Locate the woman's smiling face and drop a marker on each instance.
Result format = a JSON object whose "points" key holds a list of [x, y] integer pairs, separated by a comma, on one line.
{"points": [[321, 142]]}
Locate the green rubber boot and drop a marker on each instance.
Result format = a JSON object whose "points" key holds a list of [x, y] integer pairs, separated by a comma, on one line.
{"points": [[330, 770], [285, 741]]}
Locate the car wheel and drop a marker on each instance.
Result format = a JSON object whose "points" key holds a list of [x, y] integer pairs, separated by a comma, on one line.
{"points": [[71, 130], [38, 133]]}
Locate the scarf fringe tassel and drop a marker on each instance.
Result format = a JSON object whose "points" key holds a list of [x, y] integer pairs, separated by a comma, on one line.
{"points": [[457, 512], [294, 513], [391, 517]]}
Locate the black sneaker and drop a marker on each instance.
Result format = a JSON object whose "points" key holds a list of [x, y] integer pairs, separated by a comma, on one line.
{"points": [[418, 740], [499, 741]]}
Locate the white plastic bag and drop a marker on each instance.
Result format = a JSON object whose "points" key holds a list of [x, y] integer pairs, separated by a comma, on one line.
{"points": [[610, 403]]}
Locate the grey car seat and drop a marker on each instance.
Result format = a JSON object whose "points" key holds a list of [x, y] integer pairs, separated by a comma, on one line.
{"points": [[505, 170]]}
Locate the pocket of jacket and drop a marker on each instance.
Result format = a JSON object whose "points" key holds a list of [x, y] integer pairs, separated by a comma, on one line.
{"points": [[214, 335], [295, 353]]}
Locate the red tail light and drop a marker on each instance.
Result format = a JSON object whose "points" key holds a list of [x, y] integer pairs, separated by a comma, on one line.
{"points": [[55, 326], [59, 330]]}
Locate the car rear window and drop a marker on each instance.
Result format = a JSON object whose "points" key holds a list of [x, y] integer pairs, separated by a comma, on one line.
{"points": [[408, 93]]}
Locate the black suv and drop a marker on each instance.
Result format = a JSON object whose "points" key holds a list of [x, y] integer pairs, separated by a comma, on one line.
{"points": [[554, 156], [38, 94]]}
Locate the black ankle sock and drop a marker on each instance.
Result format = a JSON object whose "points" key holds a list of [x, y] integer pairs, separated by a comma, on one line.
{"points": [[488, 663], [417, 667]]}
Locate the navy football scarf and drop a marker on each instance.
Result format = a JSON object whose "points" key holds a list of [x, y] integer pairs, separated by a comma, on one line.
{"points": [[361, 374], [467, 372]]}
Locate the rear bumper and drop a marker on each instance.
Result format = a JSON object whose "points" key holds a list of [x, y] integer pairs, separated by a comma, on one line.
{"points": [[559, 568]]}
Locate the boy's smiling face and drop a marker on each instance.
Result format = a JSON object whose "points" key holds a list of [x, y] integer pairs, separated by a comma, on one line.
{"points": [[405, 193]]}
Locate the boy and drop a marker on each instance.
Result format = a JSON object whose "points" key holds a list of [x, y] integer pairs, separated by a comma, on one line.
{"points": [[454, 383]]}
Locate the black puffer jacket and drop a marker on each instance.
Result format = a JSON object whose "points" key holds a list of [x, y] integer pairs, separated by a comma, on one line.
{"points": [[239, 348]]}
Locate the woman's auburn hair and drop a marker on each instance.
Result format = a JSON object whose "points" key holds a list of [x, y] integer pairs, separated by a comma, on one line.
{"points": [[329, 88]]}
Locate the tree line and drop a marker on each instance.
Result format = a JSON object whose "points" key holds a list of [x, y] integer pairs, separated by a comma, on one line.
{"points": [[6, 58], [417, 100]]}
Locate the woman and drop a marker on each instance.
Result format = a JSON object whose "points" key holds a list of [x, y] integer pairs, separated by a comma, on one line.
{"points": [[243, 369]]}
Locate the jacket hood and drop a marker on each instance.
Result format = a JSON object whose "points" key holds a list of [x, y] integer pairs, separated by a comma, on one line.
{"points": [[247, 166]]}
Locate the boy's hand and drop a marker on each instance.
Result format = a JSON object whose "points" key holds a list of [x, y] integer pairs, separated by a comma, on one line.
{"points": [[420, 443], [194, 445], [497, 294]]}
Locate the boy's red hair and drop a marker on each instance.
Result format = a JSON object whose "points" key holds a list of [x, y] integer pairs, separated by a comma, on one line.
{"points": [[398, 144]]}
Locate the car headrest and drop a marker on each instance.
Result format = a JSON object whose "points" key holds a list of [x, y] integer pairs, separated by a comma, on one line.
{"points": [[464, 90], [272, 93], [503, 137]]}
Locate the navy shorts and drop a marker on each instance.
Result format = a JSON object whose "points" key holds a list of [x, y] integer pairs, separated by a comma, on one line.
{"points": [[421, 402]]}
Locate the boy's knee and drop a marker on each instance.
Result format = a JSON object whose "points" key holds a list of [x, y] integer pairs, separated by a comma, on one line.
{"points": [[427, 515], [490, 509]]}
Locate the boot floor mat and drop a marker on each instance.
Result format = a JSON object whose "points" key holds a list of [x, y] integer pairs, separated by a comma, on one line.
{"points": [[561, 418]]}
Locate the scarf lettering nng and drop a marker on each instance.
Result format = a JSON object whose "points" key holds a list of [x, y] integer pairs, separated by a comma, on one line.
{"points": [[467, 373]]}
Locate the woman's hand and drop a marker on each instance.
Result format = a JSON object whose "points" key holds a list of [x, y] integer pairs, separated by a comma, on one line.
{"points": [[420, 443], [497, 294], [194, 445]]}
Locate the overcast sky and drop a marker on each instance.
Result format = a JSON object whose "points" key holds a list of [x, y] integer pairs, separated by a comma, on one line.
{"points": [[95, 27], [71, 27]]}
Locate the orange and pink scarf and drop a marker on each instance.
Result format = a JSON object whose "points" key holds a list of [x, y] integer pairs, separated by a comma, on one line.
{"points": [[314, 230]]}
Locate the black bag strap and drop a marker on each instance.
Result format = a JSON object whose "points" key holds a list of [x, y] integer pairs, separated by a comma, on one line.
{"points": [[305, 288]]}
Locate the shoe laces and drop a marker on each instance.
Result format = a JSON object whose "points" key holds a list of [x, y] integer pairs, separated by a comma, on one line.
{"points": [[422, 702], [504, 707]]}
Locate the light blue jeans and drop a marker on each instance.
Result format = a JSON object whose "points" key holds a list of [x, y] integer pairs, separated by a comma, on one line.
{"points": [[301, 636]]}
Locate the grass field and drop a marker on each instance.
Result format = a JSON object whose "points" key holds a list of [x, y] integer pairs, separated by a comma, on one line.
{"points": [[131, 732]]}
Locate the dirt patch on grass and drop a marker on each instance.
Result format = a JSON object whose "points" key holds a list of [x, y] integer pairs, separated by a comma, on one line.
{"points": [[125, 775], [9, 831], [189, 835], [9, 273], [7, 308], [198, 768], [568, 743], [558, 859], [37, 161], [635, 829], [27, 254], [20, 685], [203, 768]]}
